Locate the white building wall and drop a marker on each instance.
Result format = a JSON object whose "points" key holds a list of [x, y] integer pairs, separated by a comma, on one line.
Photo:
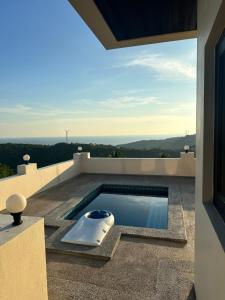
{"points": [[31, 180], [209, 252], [183, 166]]}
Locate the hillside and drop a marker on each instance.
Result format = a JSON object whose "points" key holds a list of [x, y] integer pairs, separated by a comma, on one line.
{"points": [[175, 143]]}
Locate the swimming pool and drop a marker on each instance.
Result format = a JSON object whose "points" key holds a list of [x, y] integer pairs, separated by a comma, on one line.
{"points": [[139, 206]]}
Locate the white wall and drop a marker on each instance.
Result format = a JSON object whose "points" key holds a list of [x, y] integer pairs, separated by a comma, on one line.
{"points": [[23, 262], [184, 166], [31, 180], [209, 253]]}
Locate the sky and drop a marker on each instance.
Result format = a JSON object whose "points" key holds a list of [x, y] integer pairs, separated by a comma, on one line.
{"points": [[56, 75]]}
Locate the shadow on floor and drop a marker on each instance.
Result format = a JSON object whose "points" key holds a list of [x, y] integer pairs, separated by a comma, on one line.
{"points": [[73, 259]]}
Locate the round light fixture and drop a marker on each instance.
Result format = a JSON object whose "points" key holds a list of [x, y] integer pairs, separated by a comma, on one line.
{"points": [[26, 158], [186, 148], [15, 205]]}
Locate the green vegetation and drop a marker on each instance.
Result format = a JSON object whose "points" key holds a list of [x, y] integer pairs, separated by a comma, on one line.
{"points": [[163, 155], [44, 155], [5, 171]]}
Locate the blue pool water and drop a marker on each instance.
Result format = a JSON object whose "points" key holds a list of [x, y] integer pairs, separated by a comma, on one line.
{"points": [[128, 210]]}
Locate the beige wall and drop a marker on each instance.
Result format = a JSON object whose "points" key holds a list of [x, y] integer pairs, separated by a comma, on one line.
{"points": [[22, 260], [210, 256], [31, 180], [184, 166]]}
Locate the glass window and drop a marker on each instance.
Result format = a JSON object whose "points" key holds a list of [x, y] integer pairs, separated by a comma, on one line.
{"points": [[219, 130]]}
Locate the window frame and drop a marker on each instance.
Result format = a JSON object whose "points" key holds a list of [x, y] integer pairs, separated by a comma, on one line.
{"points": [[219, 138]]}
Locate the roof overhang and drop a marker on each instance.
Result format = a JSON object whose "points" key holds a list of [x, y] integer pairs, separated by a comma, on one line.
{"points": [[124, 23]]}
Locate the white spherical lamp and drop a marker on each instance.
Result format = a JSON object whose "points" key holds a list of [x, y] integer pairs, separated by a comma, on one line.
{"points": [[79, 149], [186, 148], [26, 158], [15, 205]]}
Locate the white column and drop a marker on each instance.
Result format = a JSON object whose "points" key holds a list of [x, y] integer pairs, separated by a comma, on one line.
{"points": [[187, 164], [26, 169]]}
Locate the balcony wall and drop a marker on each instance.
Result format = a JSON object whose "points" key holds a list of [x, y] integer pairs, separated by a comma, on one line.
{"points": [[23, 261], [183, 166], [31, 180]]}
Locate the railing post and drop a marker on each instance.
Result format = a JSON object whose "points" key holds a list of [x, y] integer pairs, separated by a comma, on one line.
{"points": [[26, 169], [85, 155], [187, 164], [79, 161]]}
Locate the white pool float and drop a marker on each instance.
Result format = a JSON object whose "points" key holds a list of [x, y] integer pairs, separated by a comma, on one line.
{"points": [[90, 229]]}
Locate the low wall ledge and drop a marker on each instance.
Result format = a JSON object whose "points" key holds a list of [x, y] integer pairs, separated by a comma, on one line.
{"points": [[9, 232]]}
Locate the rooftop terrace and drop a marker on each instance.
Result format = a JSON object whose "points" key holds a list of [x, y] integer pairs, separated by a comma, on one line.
{"points": [[132, 262], [141, 268]]}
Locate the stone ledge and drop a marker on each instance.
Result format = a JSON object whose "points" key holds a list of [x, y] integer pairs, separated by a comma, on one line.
{"points": [[110, 243]]}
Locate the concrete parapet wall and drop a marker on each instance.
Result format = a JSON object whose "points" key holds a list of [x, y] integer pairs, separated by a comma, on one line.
{"points": [[183, 166], [30, 180], [23, 262]]}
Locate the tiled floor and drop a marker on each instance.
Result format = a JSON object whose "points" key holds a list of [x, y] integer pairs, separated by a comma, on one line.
{"points": [[140, 268]]}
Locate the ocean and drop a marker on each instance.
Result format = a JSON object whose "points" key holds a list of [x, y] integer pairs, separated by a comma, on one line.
{"points": [[106, 140]]}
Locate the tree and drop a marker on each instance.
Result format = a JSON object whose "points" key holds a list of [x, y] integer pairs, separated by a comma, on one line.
{"points": [[164, 155], [117, 153], [5, 171]]}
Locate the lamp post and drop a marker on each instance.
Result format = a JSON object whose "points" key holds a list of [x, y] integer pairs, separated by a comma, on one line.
{"points": [[26, 158], [186, 148], [79, 149], [15, 205], [67, 135]]}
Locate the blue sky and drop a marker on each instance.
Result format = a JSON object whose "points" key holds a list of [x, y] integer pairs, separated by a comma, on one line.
{"points": [[55, 74]]}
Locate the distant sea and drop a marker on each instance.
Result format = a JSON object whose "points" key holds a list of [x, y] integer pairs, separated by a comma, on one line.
{"points": [[106, 140]]}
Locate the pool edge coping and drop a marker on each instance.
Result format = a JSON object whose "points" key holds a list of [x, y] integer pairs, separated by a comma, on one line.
{"points": [[176, 231]]}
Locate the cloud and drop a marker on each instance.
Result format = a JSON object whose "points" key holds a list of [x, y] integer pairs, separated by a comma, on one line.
{"points": [[39, 112], [126, 92], [165, 67], [186, 108], [127, 102], [17, 109], [98, 119], [130, 99], [142, 125], [162, 122]]}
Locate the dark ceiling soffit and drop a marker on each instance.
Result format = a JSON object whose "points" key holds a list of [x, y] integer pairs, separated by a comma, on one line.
{"points": [[132, 19]]}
